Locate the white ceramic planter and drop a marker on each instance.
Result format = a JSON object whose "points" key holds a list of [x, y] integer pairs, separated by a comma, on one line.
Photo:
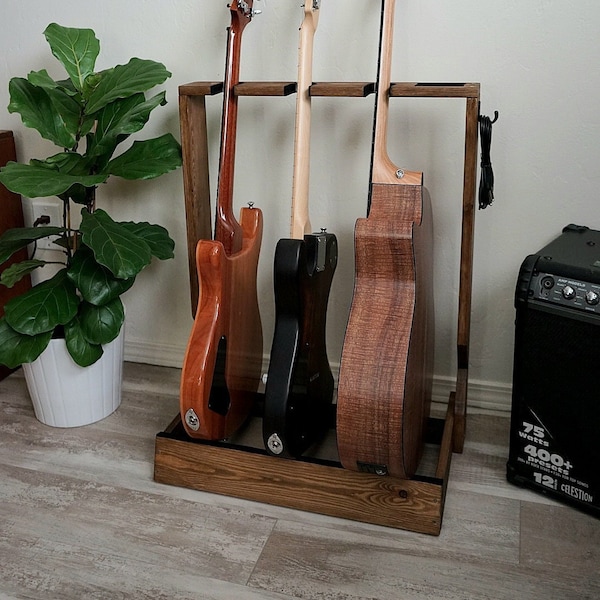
{"points": [[67, 395]]}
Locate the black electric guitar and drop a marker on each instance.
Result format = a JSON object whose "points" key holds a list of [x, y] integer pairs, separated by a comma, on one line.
{"points": [[222, 366], [300, 384], [385, 378]]}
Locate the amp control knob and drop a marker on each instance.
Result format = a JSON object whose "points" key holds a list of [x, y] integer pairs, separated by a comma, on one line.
{"points": [[592, 298], [568, 292]]}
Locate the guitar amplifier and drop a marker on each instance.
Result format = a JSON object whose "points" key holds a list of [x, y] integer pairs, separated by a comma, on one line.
{"points": [[555, 419]]}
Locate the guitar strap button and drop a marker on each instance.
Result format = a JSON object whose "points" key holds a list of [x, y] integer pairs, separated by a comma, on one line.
{"points": [[192, 420], [275, 444]]}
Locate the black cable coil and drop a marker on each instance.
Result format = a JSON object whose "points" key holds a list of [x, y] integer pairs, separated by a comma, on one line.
{"points": [[486, 183]]}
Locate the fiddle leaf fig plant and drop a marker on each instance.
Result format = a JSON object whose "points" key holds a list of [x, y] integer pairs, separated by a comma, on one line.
{"points": [[88, 116]]}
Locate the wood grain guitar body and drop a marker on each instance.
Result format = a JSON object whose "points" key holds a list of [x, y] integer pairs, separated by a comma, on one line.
{"points": [[384, 389], [386, 368], [222, 366]]}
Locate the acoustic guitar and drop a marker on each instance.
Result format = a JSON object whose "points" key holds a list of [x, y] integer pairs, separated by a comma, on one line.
{"points": [[384, 386], [299, 389], [222, 365]]}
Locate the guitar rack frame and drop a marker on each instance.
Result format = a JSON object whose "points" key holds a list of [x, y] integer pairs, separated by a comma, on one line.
{"points": [[311, 484]]}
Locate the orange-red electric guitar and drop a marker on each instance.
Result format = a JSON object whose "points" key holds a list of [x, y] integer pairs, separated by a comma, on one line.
{"points": [[385, 374], [222, 365]]}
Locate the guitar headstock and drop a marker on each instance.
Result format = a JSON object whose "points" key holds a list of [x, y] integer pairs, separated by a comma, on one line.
{"points": [[311, 6], [311, 11], [242, 12]]}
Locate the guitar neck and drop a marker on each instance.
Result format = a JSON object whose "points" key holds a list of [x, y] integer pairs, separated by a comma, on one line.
{"points": [[300, 223], [227, 229], [383, 169]]}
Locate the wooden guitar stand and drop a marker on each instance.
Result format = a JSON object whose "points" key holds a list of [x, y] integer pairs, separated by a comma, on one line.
{"points": [[317, 482]]}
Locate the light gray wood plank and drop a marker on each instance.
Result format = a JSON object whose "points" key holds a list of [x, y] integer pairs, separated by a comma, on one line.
{"points": [[329, 563], [66, 538], [133, 538], [561, 539]]}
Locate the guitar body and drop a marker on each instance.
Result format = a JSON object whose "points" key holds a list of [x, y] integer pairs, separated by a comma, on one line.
{"points": [[222, 366], [385, 378], [299, 390], [384, 390]]}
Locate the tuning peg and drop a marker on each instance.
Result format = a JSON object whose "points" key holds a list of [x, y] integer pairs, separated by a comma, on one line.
{"points": [[257, 11]]}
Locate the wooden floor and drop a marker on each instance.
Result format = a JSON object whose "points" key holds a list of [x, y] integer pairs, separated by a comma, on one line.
{"points": [[81, 517]]}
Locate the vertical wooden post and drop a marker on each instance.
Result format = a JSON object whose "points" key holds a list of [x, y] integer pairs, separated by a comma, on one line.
{"points": [[466, 270], [196, 185]]}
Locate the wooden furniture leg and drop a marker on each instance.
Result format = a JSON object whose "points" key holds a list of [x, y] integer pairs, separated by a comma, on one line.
{"points": [[11, 215]]}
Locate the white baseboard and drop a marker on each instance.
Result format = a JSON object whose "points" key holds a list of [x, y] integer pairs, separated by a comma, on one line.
{"points": [[482, 395], [485, 396], [162, 355]]}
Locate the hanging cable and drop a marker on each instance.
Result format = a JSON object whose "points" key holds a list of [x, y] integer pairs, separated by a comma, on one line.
{"points": [[486, 184]]}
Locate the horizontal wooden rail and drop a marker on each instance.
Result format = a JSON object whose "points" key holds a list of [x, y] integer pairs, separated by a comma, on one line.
{"points": [[348, 89]]}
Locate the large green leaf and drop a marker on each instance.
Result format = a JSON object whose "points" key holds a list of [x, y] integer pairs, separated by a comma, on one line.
{"points": [[156, 236], [17, 271], [42, 79], [147, 159], [101, 324], [67, 162], [12, 240], [95, 282], [120, 119], [43, 307], [35, 181], [122, 81], [51, 111], [76, 49], [16, 348], [123, 253], [82, 352]]}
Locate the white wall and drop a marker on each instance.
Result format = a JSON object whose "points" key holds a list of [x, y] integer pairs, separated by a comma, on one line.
{"points": [[535, 60]]}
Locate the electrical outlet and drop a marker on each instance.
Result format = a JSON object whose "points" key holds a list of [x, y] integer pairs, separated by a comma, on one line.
{"points": [[52, 210]]}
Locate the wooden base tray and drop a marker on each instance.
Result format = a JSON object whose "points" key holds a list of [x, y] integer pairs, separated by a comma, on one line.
{"points": [[316, 482]]}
